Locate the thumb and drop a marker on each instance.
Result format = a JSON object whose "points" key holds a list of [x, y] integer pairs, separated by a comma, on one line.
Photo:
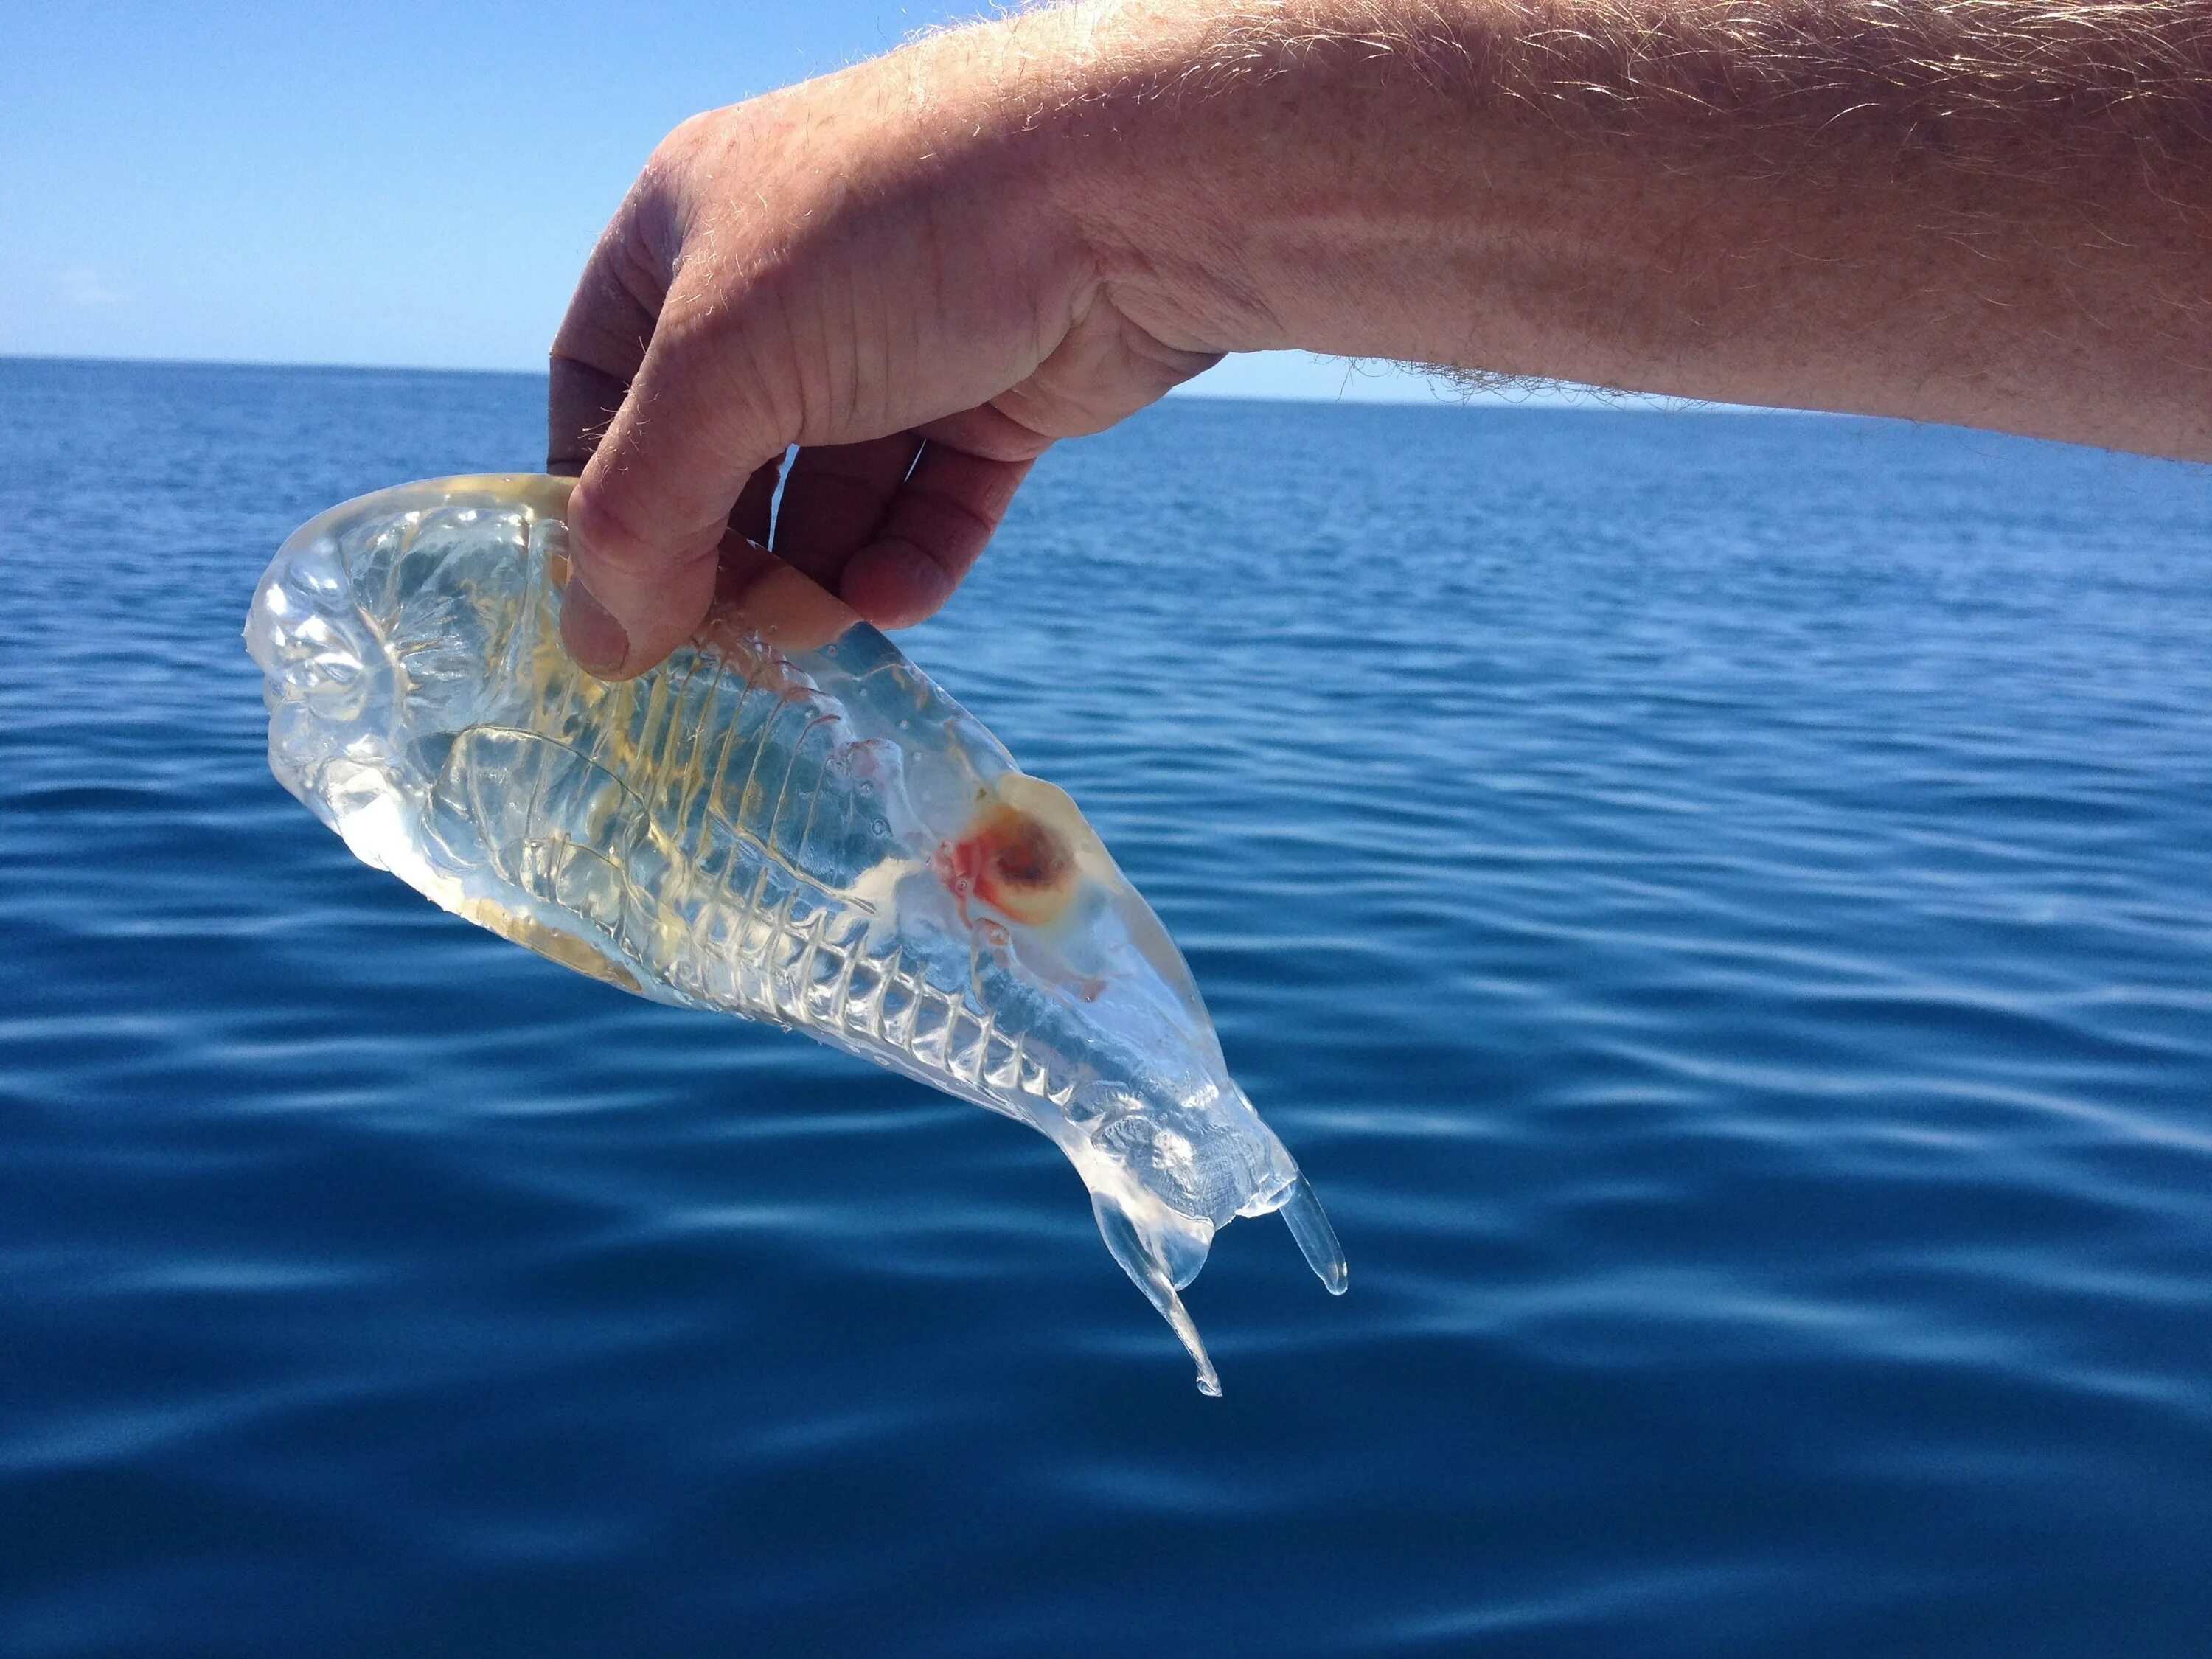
{"points": [[654, 500]]}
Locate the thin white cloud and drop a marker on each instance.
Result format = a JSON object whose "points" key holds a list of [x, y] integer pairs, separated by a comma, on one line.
{"points": [[88, 287]]}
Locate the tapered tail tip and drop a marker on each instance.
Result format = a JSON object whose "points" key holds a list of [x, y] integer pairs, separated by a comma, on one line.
{"points": [[1142, 1264], [1308, 1224]]}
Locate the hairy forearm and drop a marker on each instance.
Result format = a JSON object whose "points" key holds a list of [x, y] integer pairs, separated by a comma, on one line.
{"points": [[923, 271], [1989, 211]]}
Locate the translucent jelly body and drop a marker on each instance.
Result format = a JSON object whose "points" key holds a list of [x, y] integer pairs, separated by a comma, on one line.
{"points": [[821, 839]]}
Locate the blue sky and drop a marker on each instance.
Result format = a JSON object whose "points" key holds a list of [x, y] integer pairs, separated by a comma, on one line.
{"points": [[400, 182]]}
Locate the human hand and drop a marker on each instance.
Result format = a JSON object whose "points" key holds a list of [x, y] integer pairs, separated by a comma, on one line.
{"points": [[923, 271], [876, 267]]}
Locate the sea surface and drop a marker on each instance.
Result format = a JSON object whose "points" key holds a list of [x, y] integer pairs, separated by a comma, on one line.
{"points": [[1720, 905]]}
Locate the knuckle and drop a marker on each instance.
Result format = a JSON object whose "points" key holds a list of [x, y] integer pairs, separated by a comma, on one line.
{"points": [[606, 540], [639, 260], [613, 542], [675, 154]]}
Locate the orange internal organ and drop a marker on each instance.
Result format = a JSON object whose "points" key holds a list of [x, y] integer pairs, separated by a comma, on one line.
{"points": [[1013, 862]]}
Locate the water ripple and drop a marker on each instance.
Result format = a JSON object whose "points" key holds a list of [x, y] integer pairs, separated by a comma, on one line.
{"points": [[1716, 904]]}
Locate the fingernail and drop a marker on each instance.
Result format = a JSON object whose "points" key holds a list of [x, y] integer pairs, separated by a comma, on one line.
{"points": [[594, 639]]}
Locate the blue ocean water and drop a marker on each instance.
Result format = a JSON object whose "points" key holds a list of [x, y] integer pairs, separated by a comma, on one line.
{"points": [[1720, 905]]}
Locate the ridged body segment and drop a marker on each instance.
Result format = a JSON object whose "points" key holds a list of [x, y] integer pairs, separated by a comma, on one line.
{"points": [[819, 839]]}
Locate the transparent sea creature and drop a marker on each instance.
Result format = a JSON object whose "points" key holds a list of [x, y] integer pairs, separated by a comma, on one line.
{"points": [[820, 839]]}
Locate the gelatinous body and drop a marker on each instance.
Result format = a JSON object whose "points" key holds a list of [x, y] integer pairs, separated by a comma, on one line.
{"points": [[821, 839]]}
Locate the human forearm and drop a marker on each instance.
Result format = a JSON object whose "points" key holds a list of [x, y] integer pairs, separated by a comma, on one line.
{"points": [[1988, 213], [925, 269]]}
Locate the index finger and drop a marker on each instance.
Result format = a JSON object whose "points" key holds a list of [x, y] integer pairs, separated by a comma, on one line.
{"points": [[603, 335], [652, 502]]}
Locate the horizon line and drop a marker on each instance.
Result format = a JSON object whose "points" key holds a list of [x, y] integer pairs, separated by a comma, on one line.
{"points": [[1558, 396]]}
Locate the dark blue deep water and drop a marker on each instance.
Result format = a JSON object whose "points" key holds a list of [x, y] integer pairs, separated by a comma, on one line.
{"points": [[1720, 906]]}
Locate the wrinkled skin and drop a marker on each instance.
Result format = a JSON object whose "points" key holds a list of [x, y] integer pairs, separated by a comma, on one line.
{"points": [[922, 269], [844, 267]]}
